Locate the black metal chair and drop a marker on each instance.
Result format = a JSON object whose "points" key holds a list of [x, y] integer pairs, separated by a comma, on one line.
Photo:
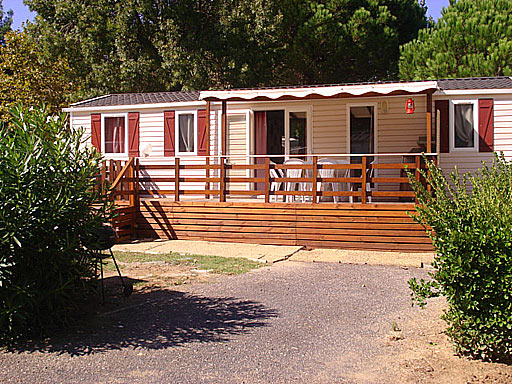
{"points": [[100, 240]]}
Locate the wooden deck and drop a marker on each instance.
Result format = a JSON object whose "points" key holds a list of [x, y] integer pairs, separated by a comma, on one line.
{"points": [[206, 215], [383, 226]]}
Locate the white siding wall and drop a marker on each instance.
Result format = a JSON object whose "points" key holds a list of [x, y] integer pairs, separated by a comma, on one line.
{"points": [[397, 132], [151, 132], [503, 126], [83, 120], [470, 162]]}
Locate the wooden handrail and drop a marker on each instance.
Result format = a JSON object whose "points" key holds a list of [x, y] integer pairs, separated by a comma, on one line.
{"points": [[223, 180], [120, 176]]}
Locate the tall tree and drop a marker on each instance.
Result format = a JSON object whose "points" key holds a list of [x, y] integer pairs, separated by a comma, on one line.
{"points": [[346, 40], [156, 45], [5, 21], [472, 38], [28, 77]]}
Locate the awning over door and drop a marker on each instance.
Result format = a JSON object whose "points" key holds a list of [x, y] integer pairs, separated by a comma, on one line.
{"points": [[323, 91]]}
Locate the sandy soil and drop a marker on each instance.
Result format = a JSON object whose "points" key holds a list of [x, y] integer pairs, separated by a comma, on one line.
{"points": [[420, 352], [160, 274]]}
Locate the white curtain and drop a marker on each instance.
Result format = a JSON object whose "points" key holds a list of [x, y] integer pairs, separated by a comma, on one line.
{"points": [[464, 132], [186, 132]]}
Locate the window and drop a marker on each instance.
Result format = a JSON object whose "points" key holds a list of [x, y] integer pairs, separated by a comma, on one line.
{"points": [[298, 131], [115, 135], [463, 123], [464, 132], [186, 132]]}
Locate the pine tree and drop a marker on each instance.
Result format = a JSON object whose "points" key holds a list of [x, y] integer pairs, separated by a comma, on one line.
{"points": [[472, 38]]}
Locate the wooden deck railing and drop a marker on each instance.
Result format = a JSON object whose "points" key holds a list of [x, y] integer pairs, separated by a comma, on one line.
{"points": [[120, 178], [220, 178]]}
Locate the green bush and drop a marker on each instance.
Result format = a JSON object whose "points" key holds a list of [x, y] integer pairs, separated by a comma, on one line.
{"points": [[47, 180], [469, 219]]}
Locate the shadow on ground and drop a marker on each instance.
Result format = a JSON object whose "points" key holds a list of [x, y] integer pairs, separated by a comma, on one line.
{"points": [[157, 319]]}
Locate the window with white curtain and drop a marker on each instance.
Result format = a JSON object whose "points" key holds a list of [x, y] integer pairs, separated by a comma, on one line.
{"points": [[114, 135], [186, 132], [464, 132], [463, 125]]}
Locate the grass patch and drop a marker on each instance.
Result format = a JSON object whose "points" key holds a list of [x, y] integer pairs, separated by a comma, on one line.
{"points": [[214, 264]]}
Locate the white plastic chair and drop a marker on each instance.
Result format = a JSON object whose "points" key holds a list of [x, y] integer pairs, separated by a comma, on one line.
{"points": [[327, 173], [369, 175], [276, 174], [294, 173]]}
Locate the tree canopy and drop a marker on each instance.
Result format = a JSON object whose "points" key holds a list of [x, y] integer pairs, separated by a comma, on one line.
{"points": [[472, 38], [5, 21], [157, 45], [28, 77]]}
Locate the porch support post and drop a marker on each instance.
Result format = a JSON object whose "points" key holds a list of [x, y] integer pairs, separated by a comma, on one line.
{"points": [[224, 121], [429, 122], [177, 179], [364, 180], [207, 162], [314, 180]]}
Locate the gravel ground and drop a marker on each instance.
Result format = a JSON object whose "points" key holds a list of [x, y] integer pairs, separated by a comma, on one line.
{"points": [[289, 323]]}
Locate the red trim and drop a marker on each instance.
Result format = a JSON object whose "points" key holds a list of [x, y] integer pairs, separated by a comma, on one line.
{"points": [[201, 132], [96, 130], [486, 125], [133, 134], [169, 133], [442, 107]]}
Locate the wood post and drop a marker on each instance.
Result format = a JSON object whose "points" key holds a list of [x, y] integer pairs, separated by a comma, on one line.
{"points": [[176, 179], [429, 187], [363, 180], [103, 177], [207, 184], [131, 184], [207, 160], [267, 180], [314, 176], [224, 123], [429, 122], [222, 181], [417, 173], [137, 196], [111, 176]]}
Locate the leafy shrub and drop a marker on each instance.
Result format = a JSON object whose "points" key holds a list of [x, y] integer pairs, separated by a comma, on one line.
{"points": [[47, 180], [470, 222]]}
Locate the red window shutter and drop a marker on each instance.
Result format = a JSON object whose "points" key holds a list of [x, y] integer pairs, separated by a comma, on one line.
{"points": [[486, 125], [133, 134], [96, 130], [201, 132], [169, 133], [442, 107]]}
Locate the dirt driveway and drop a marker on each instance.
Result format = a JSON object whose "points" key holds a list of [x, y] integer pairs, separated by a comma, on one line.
{"points": [[289, 323]]}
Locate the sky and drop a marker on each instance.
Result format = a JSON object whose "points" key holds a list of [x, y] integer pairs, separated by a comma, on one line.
{"points": [[22, 13]]}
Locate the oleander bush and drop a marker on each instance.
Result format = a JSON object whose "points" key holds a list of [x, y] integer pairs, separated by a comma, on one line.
{"points": [[47, 194], [469, 219]]}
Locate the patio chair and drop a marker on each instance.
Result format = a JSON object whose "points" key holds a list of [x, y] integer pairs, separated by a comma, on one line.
{"points": [[343, 186], [294, 173], [369, 175], [276, 174], [327, 173]]}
